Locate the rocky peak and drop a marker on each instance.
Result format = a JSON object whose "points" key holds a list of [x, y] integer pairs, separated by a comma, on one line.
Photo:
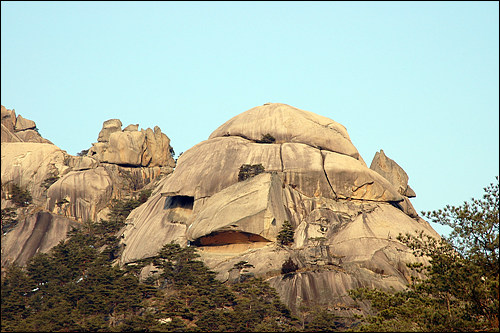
{"points": [[345, 215], [19, 129], [108, 127], [131, 147], [289, 124], [391, 171]]}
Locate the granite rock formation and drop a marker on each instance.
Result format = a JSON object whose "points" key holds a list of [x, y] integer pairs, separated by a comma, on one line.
{"points": [[66, 189], [19, 129], [346, 216], [131, 147]]}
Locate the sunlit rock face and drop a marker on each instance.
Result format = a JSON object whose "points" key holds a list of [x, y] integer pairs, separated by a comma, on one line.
{"points": [[29, 164], [67, 190], [19, 129], [345, 216], [289, 124], [131, 147]]}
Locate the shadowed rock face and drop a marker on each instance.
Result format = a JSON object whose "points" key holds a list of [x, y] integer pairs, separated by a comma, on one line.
{"points": [[345, 216], [38, 232], [229, 237]]}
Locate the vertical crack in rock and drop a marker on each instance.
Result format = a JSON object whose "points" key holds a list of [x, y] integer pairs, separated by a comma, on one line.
{"points": [[281, 158], [365, 223], [326, 175]]}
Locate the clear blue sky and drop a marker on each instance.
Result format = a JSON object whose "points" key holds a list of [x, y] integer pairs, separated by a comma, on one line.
{"points": [[416, 79]]}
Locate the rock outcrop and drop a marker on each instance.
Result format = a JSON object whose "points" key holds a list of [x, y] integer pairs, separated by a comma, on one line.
{"points": [[391, 171], [346, 216], [30, 164], [19, 129], [66, 189], [130, 147], [36, 232]]}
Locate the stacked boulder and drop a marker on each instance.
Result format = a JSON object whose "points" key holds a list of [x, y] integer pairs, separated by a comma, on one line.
{"points": [[131, 147]]}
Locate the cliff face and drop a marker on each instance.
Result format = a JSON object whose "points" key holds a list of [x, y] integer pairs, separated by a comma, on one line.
{"points": [[70, 189], [345, 216]]}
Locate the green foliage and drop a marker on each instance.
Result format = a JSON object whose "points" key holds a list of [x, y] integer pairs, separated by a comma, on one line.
{"points": [[20, 197], [289, 266], [258, 308], [266, 138], [49, 181], [461, 290], [241, 266], [286, 234], [144, 196], [323, 321], [474, 226], [84, 152], [120, 209], [9, 219], [249, 170], [76, 287]]}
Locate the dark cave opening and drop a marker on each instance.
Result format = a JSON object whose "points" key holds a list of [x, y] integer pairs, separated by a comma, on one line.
{"points": [[179, 201], [228, 237]]}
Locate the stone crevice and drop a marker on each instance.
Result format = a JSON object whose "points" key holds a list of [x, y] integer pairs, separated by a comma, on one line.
{"points": [[326, 176]]}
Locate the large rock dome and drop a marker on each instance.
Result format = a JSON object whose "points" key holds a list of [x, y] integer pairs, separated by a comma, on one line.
{"points": [[345, 215]]}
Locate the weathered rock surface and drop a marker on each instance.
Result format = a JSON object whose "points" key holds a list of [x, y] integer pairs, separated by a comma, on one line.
{"points": [[108, 127], [214, 164], [24, 124], [29, 164], [38, 232], [352, 179], [254, 206], [141, 230], [391, 171], [85, 194], [8, 118], [131, 147], [19, 129], [346, 216], [81, 194], [289, 124], [68, 190], [9, 136]]}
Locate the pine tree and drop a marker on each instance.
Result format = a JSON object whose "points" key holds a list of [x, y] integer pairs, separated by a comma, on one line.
{"points": [[461, 291], [286, 234]]}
